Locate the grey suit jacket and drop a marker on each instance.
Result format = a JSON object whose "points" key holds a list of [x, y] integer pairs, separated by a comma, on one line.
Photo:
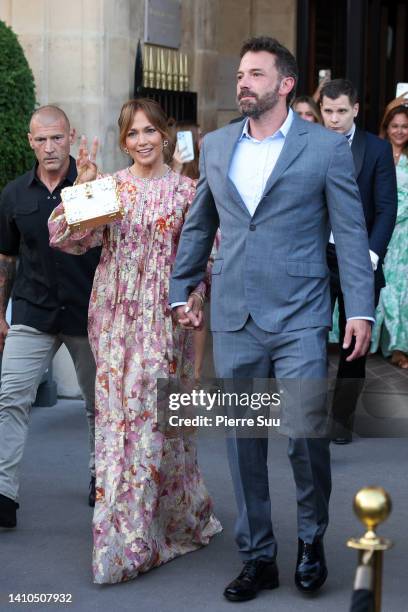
{"points": [[273, 265]]}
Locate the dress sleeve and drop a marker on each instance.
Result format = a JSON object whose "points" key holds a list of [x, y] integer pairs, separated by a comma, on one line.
{"points": [[77, 242]]}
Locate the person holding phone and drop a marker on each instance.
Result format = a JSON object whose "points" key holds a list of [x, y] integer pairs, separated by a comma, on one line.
{"points": [[186, 162], [187, 152], [151, 503]]}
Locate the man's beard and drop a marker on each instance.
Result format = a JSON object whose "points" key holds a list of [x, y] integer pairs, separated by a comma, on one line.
{"points": [[259, 105]]}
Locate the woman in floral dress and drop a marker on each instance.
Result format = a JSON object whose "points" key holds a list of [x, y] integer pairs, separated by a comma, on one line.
{"points": [[151, 501], [390, 332]]}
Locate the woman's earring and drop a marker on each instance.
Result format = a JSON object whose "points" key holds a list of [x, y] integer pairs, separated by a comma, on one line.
{"points": [[126, 150], [165, 143]]}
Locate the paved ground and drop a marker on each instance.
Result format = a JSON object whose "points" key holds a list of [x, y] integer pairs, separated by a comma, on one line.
{"points": [[50, 551]]}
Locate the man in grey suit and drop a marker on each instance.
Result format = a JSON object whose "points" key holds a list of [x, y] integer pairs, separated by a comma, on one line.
{"points": [[274, 184]]}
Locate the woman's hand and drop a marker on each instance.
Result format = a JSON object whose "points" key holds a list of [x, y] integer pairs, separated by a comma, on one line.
{"points": [[86, 162], [179, 159], [191, 316]]}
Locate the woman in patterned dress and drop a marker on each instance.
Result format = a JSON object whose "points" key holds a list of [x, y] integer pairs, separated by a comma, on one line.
{"points": [[390, 332], [151, 501]]}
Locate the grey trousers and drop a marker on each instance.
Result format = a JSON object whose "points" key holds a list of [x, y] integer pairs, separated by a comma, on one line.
{"points": [[27, 354], [297, 357]]}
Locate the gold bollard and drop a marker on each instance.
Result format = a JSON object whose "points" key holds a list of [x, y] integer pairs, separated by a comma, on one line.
{"points": [[372, 506]]}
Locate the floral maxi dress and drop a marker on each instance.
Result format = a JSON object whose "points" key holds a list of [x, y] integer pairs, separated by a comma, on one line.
{"points": [[390, 331], [151, 502]]}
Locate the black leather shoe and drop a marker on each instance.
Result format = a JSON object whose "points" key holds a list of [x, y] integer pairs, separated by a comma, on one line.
{"points": [[256, 575], [8, 509], [311, 570], [342, 433], [92, 492], [341, 440]]}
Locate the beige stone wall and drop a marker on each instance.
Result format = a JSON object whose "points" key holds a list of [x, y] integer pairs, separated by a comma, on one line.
{"points": [[82, 55], [238, 20], [277, 19]]}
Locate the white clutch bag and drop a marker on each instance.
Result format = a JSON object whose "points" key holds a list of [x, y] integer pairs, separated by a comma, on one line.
{"points": [[91, 204]]}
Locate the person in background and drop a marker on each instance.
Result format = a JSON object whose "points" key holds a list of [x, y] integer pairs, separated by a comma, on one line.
{"points": [[50, 298], [187, 168], [375, 176], [390, 332], [307, 109], [191, 169], [151, 504]]}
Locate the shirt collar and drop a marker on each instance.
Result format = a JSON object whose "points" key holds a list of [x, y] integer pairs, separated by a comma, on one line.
{"points": [[70, 177], [283, 130], [350, 134]]}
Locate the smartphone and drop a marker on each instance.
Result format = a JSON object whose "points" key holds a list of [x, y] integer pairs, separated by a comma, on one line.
{"points": [[402, 88], [185, 145], [324, 75]]}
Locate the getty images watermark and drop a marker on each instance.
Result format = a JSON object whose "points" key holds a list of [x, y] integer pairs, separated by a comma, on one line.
{"points": [[224, 402], [298, 408]]}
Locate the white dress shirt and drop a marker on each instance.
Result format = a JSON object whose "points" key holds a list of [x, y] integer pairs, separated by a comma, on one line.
{"points": [[254, 160], [252, 163]]}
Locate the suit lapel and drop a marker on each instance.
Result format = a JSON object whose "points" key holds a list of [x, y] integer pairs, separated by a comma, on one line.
{"points": [[229, 144], [358, 150], [295, 142]]}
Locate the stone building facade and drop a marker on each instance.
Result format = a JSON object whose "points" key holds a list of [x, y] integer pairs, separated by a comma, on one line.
{"points": [[82, 53]]}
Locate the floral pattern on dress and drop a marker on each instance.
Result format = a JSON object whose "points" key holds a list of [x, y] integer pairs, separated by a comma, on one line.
{"points": [[151, 502], [390, 331]]}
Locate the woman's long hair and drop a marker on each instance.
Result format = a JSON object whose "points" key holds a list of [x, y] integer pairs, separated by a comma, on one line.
{"points": [[155, 115], [313, 107]]}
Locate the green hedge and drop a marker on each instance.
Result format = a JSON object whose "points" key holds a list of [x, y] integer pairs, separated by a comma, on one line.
{"points": [[17, 103]]}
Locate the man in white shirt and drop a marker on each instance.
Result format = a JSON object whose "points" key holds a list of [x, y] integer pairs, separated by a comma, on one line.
{"points": [[271, 183], [376, 180]]}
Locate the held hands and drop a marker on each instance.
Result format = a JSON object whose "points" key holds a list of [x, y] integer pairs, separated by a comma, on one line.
{"points": [[190, 316], [361, 330], [86, 161]]}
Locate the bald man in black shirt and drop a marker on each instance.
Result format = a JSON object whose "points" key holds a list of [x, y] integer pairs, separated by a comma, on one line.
{"points": [[50, 291]]}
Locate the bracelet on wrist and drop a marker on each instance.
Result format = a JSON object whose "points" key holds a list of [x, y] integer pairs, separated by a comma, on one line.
{"points": [[199, 295]]}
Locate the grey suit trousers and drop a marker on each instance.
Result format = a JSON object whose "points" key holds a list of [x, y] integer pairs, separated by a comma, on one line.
{"points": [[28, 352], [298, 361]]}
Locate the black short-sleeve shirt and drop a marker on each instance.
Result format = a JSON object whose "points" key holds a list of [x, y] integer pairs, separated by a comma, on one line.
{"points": [[51, 291]]}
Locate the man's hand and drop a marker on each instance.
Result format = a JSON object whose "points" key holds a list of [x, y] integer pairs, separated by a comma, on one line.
{"points": [[86, 162], [7, 274], [361, 330], [3, 333], [190, 316]]}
